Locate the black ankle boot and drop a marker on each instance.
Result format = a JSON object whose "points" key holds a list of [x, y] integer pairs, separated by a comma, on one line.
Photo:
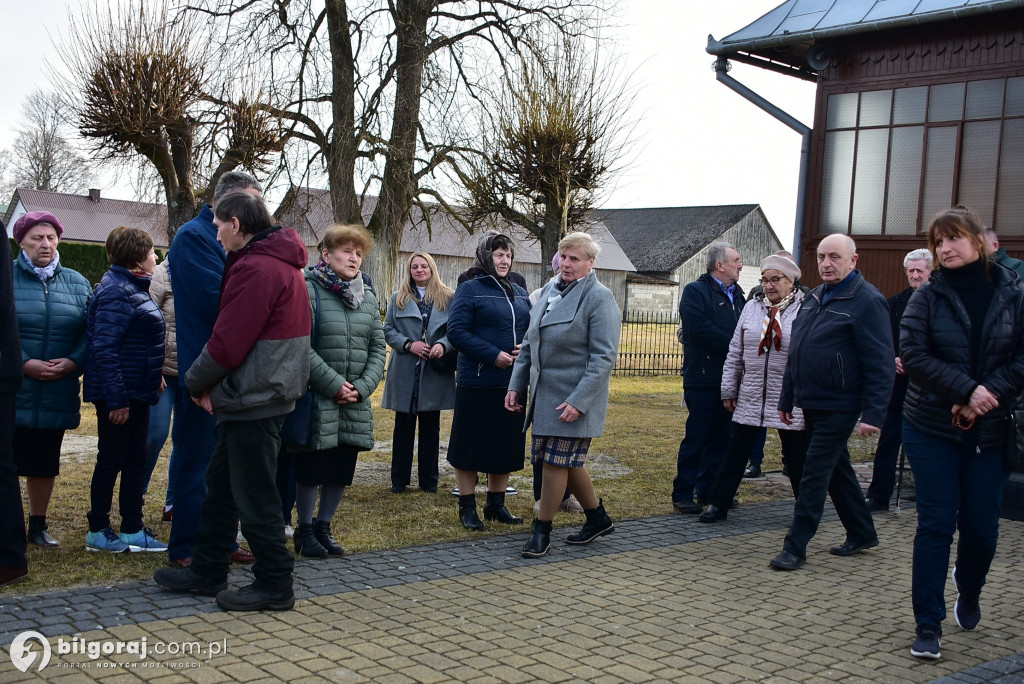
{"points": [[306, 544], [322, 532], [598, 524], [37, 533], [539, 541], [495, 510], [467, 512]]}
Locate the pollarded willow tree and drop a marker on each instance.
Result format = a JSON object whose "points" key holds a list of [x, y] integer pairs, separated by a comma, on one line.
{"points": [[141, 81], [379, 91], [554, 133]]}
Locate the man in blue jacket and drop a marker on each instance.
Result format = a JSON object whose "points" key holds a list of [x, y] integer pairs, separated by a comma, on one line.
{"points": [[840, 369], [196, 267], [708, 312]]}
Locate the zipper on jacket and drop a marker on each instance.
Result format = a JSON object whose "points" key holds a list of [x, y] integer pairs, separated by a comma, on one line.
{"points": [[764, 382]]}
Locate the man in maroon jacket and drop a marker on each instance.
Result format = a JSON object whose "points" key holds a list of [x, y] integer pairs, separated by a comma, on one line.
{"points": [[249, 375]]}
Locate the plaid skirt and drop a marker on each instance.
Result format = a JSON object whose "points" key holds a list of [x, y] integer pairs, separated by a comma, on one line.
{"points": [[564, 452]]}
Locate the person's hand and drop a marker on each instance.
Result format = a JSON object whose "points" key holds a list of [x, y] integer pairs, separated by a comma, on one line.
{"points": [[34, 368], [348, 394], [982, 401], [204, 402], [58, 368], [419, 348], [505, 359], [729, 404], [437, 351], [163, 383], [865, 430], [570, 414], [512, 402], [786, 417], [515, 352], [899, 366], [118, 416]]}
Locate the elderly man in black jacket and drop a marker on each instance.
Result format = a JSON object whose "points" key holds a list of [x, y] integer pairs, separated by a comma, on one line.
{"points": [[840, 368], [708, 312]]}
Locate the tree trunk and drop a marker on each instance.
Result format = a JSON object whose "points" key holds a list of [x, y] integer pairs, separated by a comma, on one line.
{"points": [[553, 233], [181, 208], [340, 151]]}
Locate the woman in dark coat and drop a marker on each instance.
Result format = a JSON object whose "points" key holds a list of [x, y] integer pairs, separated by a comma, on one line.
{"points": [[962, 347], [487, 320], [51, 301], [415, 387]]}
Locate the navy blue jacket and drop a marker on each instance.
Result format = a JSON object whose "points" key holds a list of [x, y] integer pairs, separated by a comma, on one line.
{"points": [[841, 353], [483, 322], [125, 332], [709, 320]]}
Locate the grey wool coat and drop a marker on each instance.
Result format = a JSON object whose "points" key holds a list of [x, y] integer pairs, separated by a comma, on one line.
{"points": [[568, 357], [351, 349], [437, 390]]}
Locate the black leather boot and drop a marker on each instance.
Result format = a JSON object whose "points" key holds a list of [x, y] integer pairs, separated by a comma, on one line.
{"points": [[322, 532], [539, 541], [495, 510], [467, 512], [306, 544], [598, 524], [37, 533]]}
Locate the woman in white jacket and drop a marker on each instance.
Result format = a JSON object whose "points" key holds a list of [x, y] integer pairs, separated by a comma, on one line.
{"points": [[752, 381]]}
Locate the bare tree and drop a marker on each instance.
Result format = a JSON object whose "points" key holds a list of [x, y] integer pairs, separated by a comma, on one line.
{"points": [[140, 84], [42, 156], [553, 135], [378, 90]]}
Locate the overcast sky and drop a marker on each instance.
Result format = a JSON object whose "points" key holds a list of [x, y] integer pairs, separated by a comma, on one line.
{"points": [[697, 142]]}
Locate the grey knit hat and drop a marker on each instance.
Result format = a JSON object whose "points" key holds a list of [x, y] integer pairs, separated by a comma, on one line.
{"points": [[786, 265]]}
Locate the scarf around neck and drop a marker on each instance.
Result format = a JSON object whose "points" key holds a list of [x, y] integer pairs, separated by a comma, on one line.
{"points": [[771, 329], [44, 273], [350, 292]]}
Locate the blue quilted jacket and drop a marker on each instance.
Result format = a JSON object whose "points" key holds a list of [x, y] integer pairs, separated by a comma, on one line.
{"points": [[51, 323], [483, 322], [126, 342]]}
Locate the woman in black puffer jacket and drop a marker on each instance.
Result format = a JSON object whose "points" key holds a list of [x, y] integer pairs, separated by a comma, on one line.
{"points": [[962, 347]]}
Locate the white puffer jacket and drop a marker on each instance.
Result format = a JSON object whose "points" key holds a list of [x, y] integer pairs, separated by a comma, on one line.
{"points": [[754, 381]]}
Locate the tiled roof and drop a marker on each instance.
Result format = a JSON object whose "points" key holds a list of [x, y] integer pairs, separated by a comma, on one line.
{"points": [[660, 240]]}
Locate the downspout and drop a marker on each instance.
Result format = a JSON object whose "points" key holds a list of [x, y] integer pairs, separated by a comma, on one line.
{"points": [[721, 73]]}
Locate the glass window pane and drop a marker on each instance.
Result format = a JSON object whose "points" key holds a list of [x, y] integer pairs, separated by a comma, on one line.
{"points": [[875, 107], [979, 157], [938, 172], [869, 187], [837, 174], [985, 99], [910, 104], [842, 111], [1010, 210], [1015, 96], [904, 180], [946, 102]]}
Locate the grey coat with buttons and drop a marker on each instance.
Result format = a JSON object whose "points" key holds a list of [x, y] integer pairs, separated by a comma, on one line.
{"points": [[437, 389]]}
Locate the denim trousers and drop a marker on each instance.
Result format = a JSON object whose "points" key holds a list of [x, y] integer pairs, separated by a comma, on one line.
{"points": [[958, 488], [727, 482], [194, 434], [121, 450], [708, 431], [827, 469], [12, 515], [159, 427], [401, 448], [241, 487]]}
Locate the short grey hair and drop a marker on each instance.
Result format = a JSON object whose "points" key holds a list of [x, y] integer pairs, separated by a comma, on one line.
{"points": [[917, 255], [582, 241], [235, 181], [717, 252]]}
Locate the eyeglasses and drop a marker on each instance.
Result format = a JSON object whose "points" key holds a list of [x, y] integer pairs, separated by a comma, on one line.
{"points": [[774, 280]]}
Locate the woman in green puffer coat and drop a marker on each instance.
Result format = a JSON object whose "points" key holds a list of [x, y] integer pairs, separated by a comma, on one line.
{"points": [[346, 363]]}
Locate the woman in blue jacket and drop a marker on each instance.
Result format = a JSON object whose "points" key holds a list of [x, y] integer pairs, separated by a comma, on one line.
{"points": [[122, 378], [51, 302], [487, 320]]}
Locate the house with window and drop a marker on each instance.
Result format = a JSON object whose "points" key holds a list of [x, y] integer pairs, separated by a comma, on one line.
{"points": [[919, 106]]}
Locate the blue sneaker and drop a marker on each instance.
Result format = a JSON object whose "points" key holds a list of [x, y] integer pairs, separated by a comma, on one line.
{"points": [[105, 540], [143, 540]]}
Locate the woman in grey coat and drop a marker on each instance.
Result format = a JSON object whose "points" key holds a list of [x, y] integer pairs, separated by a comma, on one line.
{"points": [[566, 360], [415, 387]]}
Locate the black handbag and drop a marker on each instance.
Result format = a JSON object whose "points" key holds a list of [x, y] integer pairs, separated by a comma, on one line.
{"points": [[298, 425]]}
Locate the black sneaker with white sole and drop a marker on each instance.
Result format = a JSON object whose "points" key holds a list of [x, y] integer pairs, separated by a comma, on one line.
{"points": [[966, 611], [927, 643]]}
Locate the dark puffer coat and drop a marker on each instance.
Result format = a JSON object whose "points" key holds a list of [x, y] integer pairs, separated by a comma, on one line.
{"points": [[125, 342], [483, 322], [935, 346]]}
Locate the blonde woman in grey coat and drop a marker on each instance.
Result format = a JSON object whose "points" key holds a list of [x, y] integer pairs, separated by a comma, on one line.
{"points": [[566, 361], [752, 382], [415, 387]]}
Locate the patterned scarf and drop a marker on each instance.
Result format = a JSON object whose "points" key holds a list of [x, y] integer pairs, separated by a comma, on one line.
{"points": [[43, 272], [350, 292], [771, 329]]}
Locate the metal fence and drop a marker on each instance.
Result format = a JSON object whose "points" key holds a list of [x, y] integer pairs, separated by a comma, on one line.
{"points": [[648, 345]]}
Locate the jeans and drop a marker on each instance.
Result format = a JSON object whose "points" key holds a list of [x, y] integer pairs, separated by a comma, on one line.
{"points": [[957, 488], [12, 515], [708, 430], [883, 474], [159, 426], [121, 451], [757, 449], [727, 483], [194, 434], [401, 448], [827, 469], [242, 487]]}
